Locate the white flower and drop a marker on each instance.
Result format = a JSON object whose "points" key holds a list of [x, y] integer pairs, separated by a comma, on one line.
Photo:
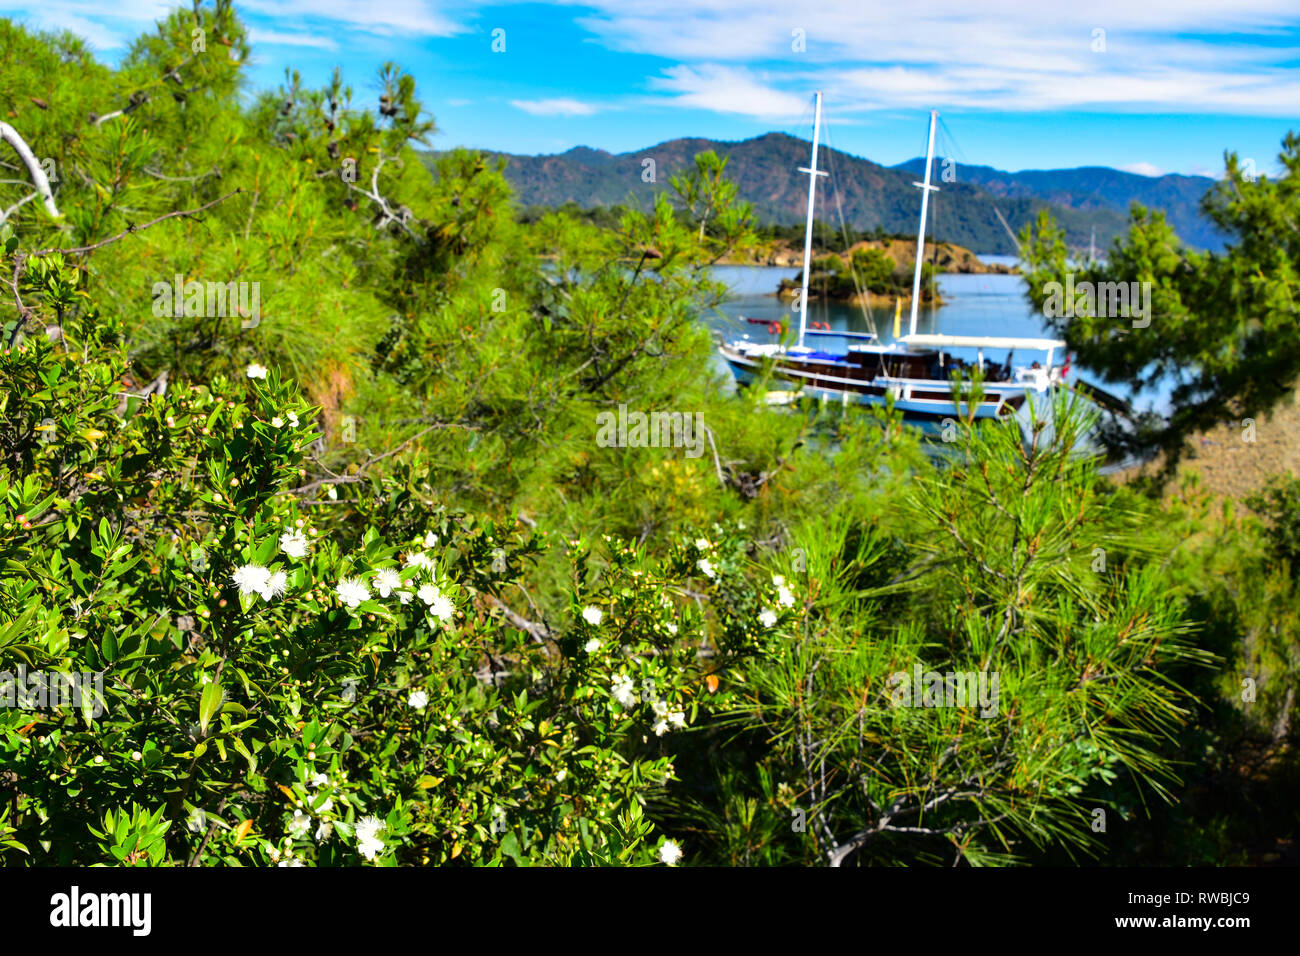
{"points": [[592, 646], [784, 597], [251, 578], [778, 580], [767, 617], [559, 777], [299, 825], [323, 831], [705, 565], [672, 628], [418, 559], [428, 593], [256, 371], [404, 596], [418, 699], [670, 852], [368, 842], [624, 691], [352, 592], [293, 419], [441, 608], [320, 781], [332, 493], [703, 544], [387, 581], [593, 616], [277, 422], [275, 585], [430, 539], [667, 718], [291, 863], [294, 544]]}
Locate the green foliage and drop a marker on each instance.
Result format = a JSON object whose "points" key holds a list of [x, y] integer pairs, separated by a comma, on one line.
{"points": [[867, 271], [874, 267], [1222, 327], [999, 577], [365, 586], [272, 678], [1279, 504]]}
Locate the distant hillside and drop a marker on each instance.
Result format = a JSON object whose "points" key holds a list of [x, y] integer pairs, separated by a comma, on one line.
{"points": [[871, 195], [1100, 187]]}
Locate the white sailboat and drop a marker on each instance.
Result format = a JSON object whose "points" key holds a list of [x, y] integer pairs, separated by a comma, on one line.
{"points": [[914, 370]]}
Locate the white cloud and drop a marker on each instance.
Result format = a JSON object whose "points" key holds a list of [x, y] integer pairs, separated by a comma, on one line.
{"points": [[113, 27], [102, 29], [272, 38], [391, 17], [997, 54], [555, 107], [736, 56], [96, 35], [1143, 169], [726, 89]]}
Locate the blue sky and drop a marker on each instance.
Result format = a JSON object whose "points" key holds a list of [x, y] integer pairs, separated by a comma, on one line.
{"points": [[1146, 85]]}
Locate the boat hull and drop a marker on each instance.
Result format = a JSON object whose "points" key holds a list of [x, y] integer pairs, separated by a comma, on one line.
{"points": [[919, 400]]}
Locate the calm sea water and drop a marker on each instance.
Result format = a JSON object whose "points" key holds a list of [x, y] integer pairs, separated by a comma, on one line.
{"points": [[973, 305]]}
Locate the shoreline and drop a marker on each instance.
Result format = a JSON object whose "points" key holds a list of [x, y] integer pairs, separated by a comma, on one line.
{"points": [[872, 299], [948, 257]]}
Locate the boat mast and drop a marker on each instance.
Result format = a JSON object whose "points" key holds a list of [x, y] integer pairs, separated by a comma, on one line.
{"points": [[813, 172], [920, 233]]}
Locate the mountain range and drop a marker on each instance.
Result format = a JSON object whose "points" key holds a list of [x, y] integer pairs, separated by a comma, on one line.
{"points": [[1100, 187], [870, 195]]}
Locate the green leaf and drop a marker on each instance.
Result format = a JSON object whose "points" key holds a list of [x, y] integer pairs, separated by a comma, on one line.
{"points": [[209, 703], [510, 847], [16, 627]]}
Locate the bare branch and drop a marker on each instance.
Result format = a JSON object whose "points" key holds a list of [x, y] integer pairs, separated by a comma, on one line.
{"points": [[359, 476], [34, 169], [134, 229], [4, 216], [538, 632]]}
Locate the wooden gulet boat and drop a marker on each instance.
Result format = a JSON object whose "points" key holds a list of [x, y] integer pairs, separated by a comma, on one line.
{"points": [[913, 375], [913, 371]]}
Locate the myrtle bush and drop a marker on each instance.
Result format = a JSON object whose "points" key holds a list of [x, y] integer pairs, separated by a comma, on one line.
{"points": [[326, 672]]}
